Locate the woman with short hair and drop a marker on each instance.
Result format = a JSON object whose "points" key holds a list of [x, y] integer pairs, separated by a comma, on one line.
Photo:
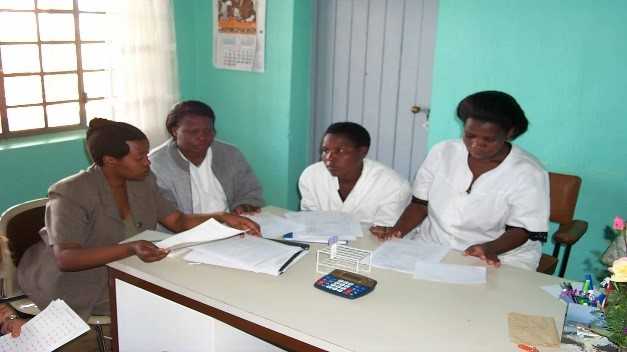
{"points": [[88, 214]]}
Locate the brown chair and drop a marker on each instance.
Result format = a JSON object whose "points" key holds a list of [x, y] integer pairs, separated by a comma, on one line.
{"points": [[21, 224], [564, 190]]}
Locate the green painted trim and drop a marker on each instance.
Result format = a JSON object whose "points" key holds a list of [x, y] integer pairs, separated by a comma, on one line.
{"points": [[23, 142]]}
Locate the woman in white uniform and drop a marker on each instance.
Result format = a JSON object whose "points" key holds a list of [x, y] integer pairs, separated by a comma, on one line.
{"points": [[345, 180], [481, 194]]}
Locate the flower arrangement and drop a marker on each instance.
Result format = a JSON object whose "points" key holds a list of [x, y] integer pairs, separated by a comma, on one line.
{"points": [[620, 228], [616, 310]]}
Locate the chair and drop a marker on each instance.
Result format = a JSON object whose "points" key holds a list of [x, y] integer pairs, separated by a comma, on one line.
{"points": [[564, 190], [21, 224]]}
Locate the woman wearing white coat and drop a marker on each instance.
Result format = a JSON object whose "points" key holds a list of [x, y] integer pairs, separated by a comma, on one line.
{"points": [[481, 194]]}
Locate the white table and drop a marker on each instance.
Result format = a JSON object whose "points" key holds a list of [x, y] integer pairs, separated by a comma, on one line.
{"points": [[401, 314]]}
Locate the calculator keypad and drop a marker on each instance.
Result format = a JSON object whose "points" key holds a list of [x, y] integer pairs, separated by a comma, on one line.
{"points": [[341, 287]]}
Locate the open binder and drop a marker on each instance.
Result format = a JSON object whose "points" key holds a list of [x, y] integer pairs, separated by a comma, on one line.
{"points": [[250, 253]]}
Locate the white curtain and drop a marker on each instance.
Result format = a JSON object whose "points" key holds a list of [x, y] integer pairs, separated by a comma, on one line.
{"points": [[144, 82]]}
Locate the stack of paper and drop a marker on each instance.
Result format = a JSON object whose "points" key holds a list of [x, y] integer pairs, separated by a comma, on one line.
{"points": [[52, 328], [319, 226], [274, 226], [208, 231], [250, 253], [402, 254]]}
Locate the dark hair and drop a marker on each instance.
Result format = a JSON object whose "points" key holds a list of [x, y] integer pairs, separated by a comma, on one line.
{"points": [[188, 107], [355, 132], [496, 107], [106, 137]]}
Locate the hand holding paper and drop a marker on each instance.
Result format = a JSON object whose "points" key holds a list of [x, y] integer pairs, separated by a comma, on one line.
{"points": [[208, 231]]}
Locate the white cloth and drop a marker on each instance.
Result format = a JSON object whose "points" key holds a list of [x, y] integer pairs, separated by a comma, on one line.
{"points": [[142, 47], [207, 193], [515, 193], [379, 196]]}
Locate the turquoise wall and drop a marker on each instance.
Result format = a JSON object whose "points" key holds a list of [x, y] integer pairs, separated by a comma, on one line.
{"points": [[265, 114], [30, 166], [565, 63]]}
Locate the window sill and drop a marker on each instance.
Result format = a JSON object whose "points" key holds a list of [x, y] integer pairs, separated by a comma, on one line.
{"points": [[47, 138]]}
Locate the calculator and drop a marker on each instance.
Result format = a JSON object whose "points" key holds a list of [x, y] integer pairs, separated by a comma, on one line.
{"points": [[345, 284]]}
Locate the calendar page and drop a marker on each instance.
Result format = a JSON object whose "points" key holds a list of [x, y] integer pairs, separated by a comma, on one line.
{"points": [[52, 328], [239, 34]]}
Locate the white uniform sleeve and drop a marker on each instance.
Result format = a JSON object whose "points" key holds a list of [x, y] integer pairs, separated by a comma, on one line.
{"points": [[529, 202], [306, 186], [426, 173], [394, 204]]}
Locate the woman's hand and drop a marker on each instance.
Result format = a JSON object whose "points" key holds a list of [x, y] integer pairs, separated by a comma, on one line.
{"points": [[240, 222], [147, 251], [9, 320], [13, 326], [246, 209], [485, 253], [386, 233]]}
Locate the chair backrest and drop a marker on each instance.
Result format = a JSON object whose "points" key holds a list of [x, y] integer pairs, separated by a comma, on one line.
{"points": [[20, 224], [564, 191]]}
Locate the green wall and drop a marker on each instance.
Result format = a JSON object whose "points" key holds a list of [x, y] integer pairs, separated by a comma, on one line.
{"points": [[30, 166], [265, 114], [564, 61]]}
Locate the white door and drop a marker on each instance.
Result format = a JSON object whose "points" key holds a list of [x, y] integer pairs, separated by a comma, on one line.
{"points": [[373, 65]]}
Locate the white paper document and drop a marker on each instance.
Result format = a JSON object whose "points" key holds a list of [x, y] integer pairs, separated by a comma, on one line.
{"points": [[150, 236], [402, 254], [250, 253], [274, 226], [208, 231], [320, 225], [52, 328], [450, 273]]}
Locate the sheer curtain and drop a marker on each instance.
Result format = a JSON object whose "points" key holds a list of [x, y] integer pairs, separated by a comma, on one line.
{"points": [[144, 82]]}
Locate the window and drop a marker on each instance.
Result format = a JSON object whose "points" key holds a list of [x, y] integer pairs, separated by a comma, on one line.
{"points": [[53, 65]]}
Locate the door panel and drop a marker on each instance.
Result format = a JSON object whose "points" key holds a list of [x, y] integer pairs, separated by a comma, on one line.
{"points": [[373, 62]]}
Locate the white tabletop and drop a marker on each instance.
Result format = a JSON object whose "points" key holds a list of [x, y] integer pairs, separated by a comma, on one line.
{"points": [[401, 314]]}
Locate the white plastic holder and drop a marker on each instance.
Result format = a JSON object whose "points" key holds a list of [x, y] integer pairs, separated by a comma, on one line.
{"points": [[343, 257]]}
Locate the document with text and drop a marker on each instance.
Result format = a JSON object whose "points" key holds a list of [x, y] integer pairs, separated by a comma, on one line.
{"points": [[247, 252], [208, 231], [450, 273], [52, 328], [402, 254]]}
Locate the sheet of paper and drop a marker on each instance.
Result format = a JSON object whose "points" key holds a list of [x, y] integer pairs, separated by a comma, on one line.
{"points": [[274, 226], [450, 273], [247, 253], [209, 230], [150, 236], [532, 330], [52, 328], [402, 255], [320, 225]]}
